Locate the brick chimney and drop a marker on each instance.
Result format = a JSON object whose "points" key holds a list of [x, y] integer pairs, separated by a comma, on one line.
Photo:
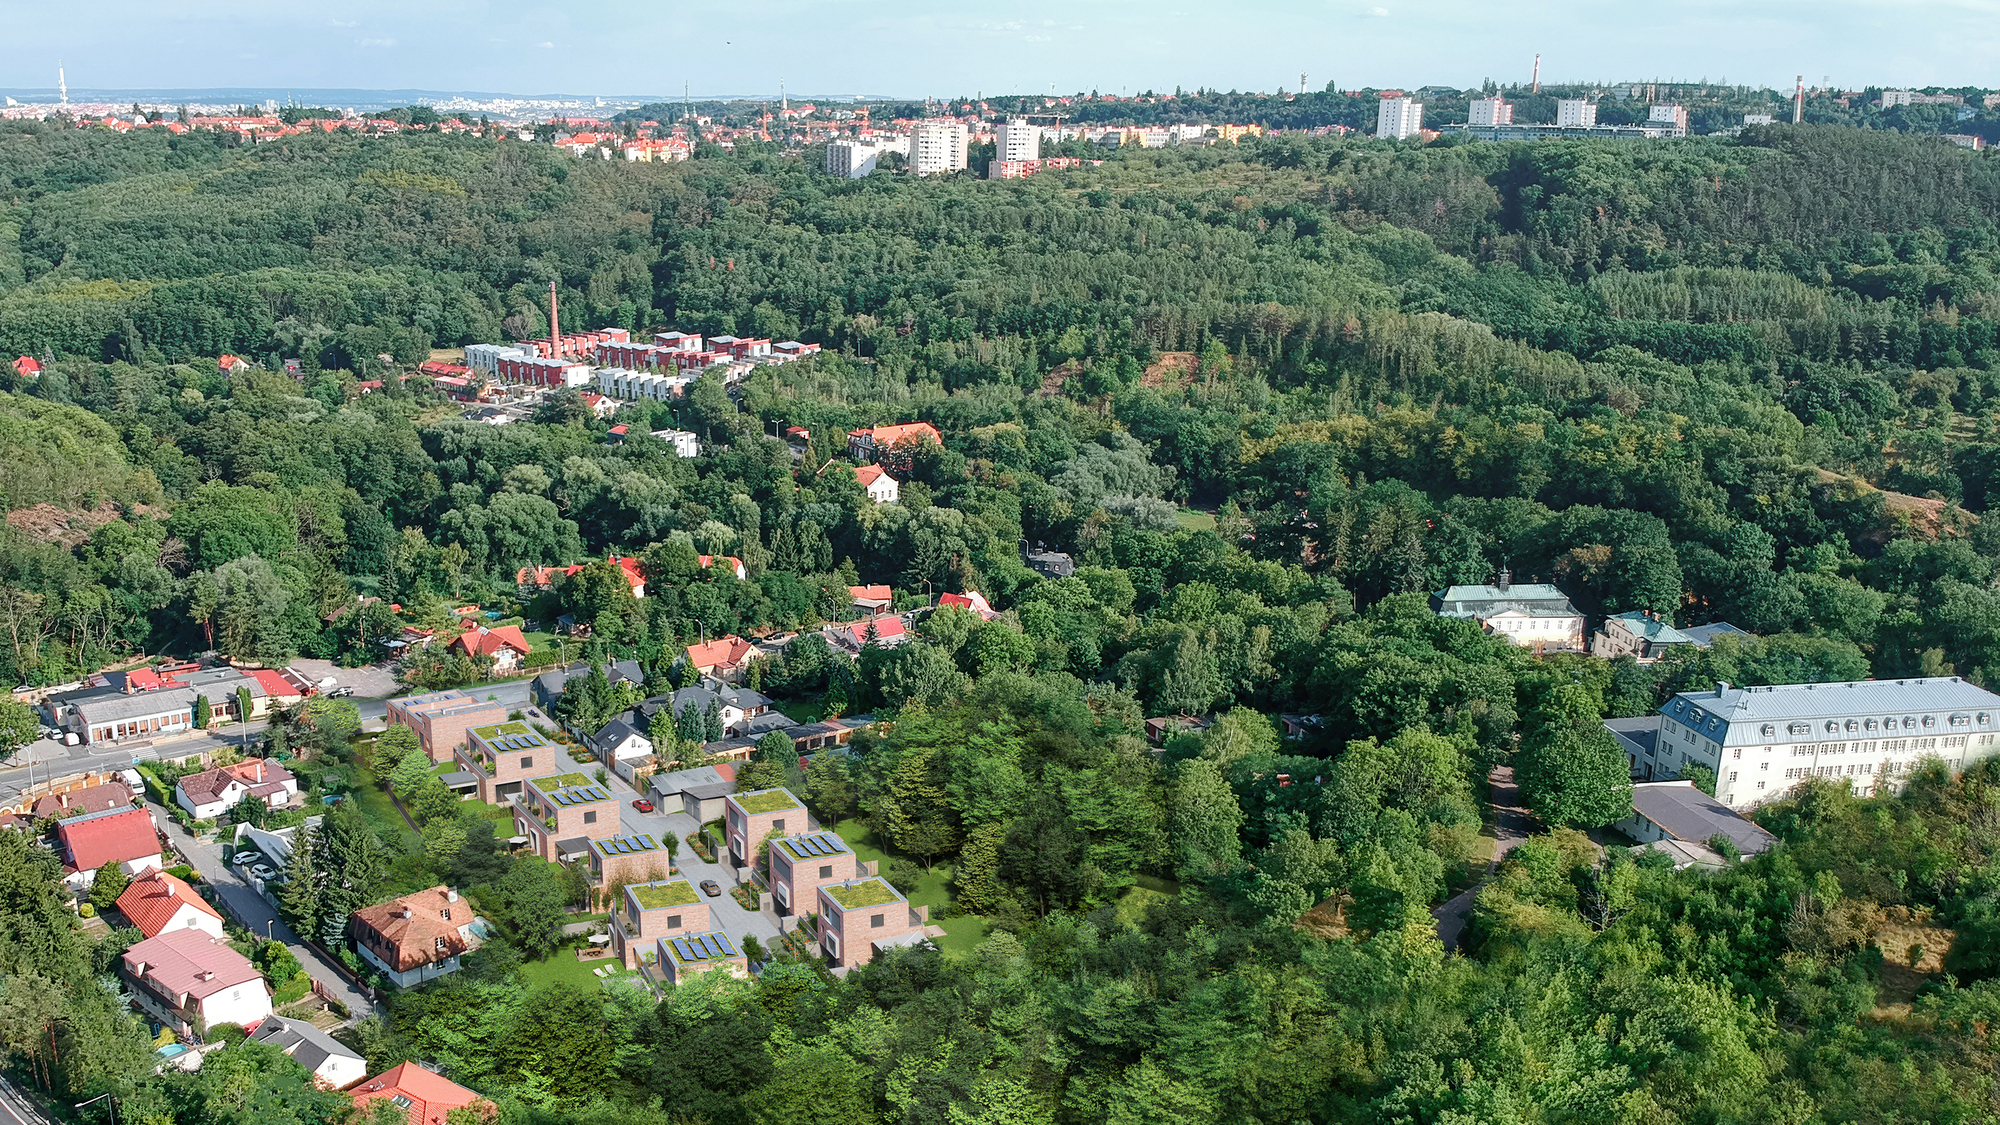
{"points": [[555, 325]]}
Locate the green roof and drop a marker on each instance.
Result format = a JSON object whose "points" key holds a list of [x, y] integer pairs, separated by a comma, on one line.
{"points": [[561, 781], [671, 892], [867, 892], [501, 730], [765, 800]]}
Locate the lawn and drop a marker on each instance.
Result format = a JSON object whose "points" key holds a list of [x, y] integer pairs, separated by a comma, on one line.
{"points": [[564, 968], [1193, 520], [961, 934], [376, 806], [933, 887]]}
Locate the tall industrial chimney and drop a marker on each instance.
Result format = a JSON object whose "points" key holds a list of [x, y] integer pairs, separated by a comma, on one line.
{"points": [[1538, 72], [1799, 102], [555, 326]]}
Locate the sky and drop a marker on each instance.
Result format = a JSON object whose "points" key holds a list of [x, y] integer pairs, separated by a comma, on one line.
{"points": [[624, 47]]}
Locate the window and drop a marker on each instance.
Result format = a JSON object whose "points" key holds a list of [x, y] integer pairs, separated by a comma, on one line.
{"points": [[778, 825], [590, 817], [445, 913], [440, 945], [1763, 765], [527, 761], [826, 872], [401, 1101], [1760, 785], [673, 921], [1738, 753], [1732, 775], [875, 920]]}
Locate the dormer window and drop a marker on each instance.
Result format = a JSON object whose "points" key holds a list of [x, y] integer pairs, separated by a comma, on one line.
{"points": [[1832, 727], [1930, 721], [1869, 724], [1768, 730], [1961, 719], [1799, 728]]}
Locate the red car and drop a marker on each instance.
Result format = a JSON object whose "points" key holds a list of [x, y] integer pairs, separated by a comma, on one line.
{"points": [[643, 805]]}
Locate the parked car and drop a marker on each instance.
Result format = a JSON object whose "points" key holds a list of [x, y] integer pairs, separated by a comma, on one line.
{"points": [[643, 805], [709, 888], [340, 693]]}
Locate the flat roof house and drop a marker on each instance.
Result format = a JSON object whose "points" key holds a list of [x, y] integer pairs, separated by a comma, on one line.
{"points": [[124, 836], [680, 958], [1762, 741], [415, 938], [560, 815], [156, 902], [749, 817], [860, 918], [697, 792], [651, 911], [442, 718], [1678, 811], [628, 858], [801, 865], [191, 981], [503, 757], [331, 1063], [1535, 615]]}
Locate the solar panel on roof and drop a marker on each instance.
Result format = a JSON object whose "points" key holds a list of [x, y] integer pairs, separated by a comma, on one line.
{"points": [[722, 940], [681, 947]]}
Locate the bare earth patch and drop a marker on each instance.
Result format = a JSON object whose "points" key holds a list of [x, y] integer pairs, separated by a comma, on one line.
{"points": [[47, 523]]}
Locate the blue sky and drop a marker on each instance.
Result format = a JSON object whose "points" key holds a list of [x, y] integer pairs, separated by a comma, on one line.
{"points": [[747, 46]]}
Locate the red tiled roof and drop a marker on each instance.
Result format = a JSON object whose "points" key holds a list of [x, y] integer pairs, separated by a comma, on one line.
{"points": [[26, 366], [414, 926], [191, 962], [869, 474], [92, 842], [971, 599], [735, 564], [880, 593], [89, 799], [486, 642], [892, 435], [721, 651], [155, 897], [431, 1096]]}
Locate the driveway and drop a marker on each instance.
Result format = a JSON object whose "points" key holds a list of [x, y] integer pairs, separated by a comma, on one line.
{"points": [[372, 681], [727, 915], [257, 915], [1511, 823]]}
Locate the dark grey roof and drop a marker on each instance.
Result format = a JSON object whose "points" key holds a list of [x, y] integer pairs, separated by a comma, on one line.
{"points": [[575, 846], [1637, 736], [1704, 636], [309, 1046], [115, 705], [626, 671], [714, 792], [767, 722], [1686, 813], [459, 779], [615, 732], [680, 781]]}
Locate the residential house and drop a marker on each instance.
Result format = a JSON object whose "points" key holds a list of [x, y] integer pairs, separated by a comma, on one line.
{"points": [[415, 938], [191, 980], [619, 741], [331, 1063], [1705, 636], [560, 815], [870, 444], [697, 792], [548, 687], [542, 578], [681, 958], [230, 365], [1760, 742], [683, 442], [860, 918], [505, 645], [872, 599], [156, 902], [441, 718], [827, 734], [122, 836], [1534, 615], [748, 818], [887, 631], [1163, 727], [1639, 634], [737, 707], [734, 564], [723, 658], [878, 485], [1677, 810], [211, 793], [627, 858], [89, 799], [504, 756], [801, 865], [651, 911], [1047, 563], [424, 1096], [971, 601], [27, 367], [1637, 739]]}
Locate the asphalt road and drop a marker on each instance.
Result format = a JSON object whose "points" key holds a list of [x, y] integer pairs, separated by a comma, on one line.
{"points": [[15, 1108]]}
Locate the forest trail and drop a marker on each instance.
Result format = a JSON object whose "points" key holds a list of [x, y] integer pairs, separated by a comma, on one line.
{"points": [[1510, 826]]}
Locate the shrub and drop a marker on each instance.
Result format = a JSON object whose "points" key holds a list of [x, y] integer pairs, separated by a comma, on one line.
{"points": [[87, 910]]}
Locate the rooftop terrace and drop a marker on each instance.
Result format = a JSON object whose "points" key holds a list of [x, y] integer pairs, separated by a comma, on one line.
{"points": [[862, 893], [696, 948], [765, 801], [663, 894]]}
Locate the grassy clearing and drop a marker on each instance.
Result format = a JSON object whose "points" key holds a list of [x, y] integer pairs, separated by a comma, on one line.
{"points": [[564, 968], [1193, 520]]}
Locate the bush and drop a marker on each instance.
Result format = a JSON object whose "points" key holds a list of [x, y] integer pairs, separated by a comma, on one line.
{"points": [[87, 910], [293, 990]]}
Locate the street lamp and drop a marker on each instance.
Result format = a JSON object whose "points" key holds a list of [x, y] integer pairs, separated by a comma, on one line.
{"points": [[267, 929]]}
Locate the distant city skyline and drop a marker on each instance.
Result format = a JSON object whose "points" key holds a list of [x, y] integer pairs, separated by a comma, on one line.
{"points": [[618, 47]]}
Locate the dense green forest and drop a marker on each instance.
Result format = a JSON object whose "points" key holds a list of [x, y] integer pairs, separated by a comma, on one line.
{"points": [[1268, 396]]}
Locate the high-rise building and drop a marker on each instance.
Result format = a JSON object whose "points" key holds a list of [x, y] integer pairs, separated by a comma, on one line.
{"points": [[1675, 116], [1399, 118], [937, 146], [1575, 113], [1492, 111], [852, 159], [1017, 140]]}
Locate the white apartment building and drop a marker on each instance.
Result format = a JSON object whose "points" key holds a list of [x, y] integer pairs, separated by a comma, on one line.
{"points": [[1762, 741], [1399, 118], [937, 146], [1017, 140], [852, 159], [1673, 117], [1491, 111], [1575, 113]]}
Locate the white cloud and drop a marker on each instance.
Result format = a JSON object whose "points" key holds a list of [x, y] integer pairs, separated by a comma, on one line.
{"points": [[546, 46], [343, 23], [375, 42], [1378, 13]]}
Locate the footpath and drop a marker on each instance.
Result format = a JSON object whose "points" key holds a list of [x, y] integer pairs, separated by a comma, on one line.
{"points": [[1510, 826]]}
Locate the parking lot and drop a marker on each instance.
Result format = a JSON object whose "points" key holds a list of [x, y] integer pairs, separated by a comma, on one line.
{"points": [[375, 681]]}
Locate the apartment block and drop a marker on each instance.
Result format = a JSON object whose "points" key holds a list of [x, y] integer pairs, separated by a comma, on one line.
{"points": [[442, 718], [938, 146], [1399, 118]]}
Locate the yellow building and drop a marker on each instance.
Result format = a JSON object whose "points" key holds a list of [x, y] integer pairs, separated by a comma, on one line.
{"points": [[1232, 133]]}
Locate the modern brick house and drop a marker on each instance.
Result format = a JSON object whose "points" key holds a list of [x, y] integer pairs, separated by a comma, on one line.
{"points": [[562, 813], [862, 917], [651, 911], [801, 865], [680, 958], [442, 718], [628, 858], [749, 817], [503, 757]]}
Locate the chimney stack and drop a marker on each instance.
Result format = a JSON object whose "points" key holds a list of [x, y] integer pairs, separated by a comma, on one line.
{"points": [[1506, 579], [1799, 102], [555, 326]]}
